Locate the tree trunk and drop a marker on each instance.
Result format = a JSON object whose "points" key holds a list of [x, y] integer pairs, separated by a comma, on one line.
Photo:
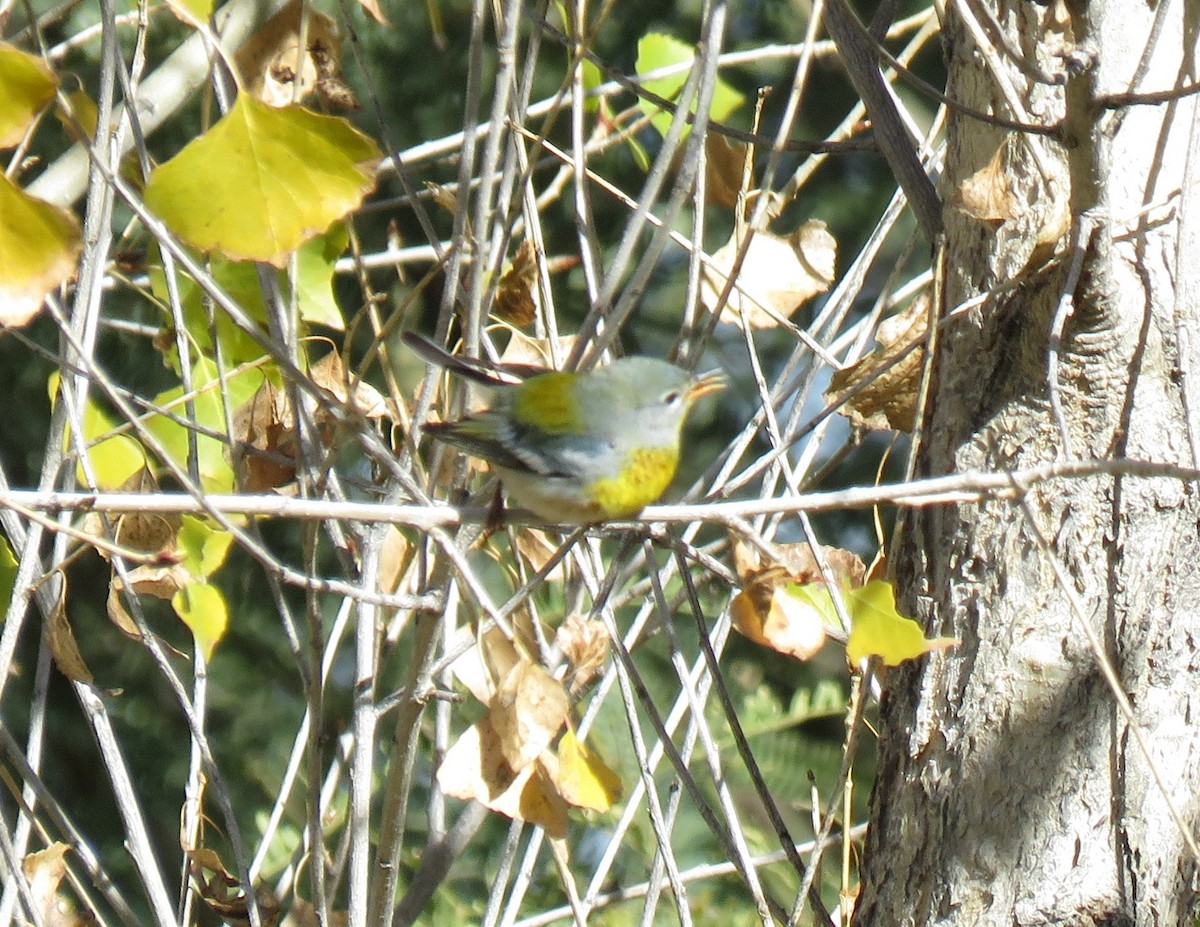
{"points": [[1011, 788]]}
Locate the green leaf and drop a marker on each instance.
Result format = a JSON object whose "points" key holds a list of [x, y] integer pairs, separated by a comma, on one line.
{"points": [[204, 547], [38, 244], [8, 575], [202, 608], [216, 474], [26, 87], [592, 78], [314, 278], [881, 631], [263, 181], [656, 51]]}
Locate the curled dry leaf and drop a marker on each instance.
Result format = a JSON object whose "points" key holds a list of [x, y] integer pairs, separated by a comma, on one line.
{"points": [[880, 390], [264, 426], [222, 891], [786, 605], [537, 548], [303, 914], [272, 65], [516, 299], [776, 278], [44, 871], [144, 532], [986, 194], [492, 658], [585, 644], [475, 768], [394, 559], [725, 162], [527, 713], [61, 640]]}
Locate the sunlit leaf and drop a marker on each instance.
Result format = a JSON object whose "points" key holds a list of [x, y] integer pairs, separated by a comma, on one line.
{"points": [[38, 247], [113, 460], [656, 51], [262, 181], [787, 605], [315, 263], [27, 86], [879, 630], [528, 711], [202, 608], [204, 546], [192, 12], [777, 275], [585, 780], [8, 575], [475, 768]]}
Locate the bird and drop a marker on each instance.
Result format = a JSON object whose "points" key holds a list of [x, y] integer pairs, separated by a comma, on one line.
{"points": [[576, 448]]}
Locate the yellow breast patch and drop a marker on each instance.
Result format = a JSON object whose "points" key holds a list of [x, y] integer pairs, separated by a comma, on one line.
{"points": [[646, 476]]}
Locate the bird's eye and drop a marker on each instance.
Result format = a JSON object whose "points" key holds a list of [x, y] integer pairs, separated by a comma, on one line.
{"points": [[671, 397]]}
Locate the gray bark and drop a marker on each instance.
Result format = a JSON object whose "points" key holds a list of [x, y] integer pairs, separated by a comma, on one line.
{"points": [[1010, 789]]}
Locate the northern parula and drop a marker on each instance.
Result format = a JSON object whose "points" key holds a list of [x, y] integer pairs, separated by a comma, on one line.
{"points": [[576, 448]]}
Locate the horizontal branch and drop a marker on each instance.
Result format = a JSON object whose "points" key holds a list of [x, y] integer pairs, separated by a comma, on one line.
{"points": [[975, 486]]}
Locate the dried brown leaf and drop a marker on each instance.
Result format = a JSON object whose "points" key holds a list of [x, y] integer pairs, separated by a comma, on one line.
{"points": [[724, 169], [784, 604], [776, 278], [44, 872], [585, 644], [222, 892], [537, 548], [271, 63], [516, 299], [394, 559], [986, 194], [528, 711], [880, 390], [61, 640], [475, 768]]}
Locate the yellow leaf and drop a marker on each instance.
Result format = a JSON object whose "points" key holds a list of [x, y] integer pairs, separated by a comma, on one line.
{"points": [[193, 12], [263, 181], [83, 115], [115, 459], [879, 630], [38, 246], [26, 87], [584, 780], [202, 608]]}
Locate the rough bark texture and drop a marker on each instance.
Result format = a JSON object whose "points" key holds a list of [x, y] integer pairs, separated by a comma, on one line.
{"points": [[1010, 790]]}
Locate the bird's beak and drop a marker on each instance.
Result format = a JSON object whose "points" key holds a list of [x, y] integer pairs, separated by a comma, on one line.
{"points": [[705, 383]]}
